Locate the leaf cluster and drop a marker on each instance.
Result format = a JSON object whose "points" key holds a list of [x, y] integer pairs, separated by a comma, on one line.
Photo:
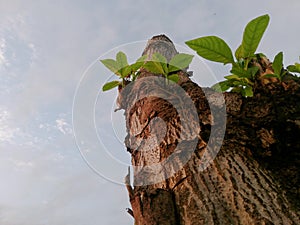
{"points": [[243, 71], [277, 66], [242, 74], [294, 68], [157, 65], [122, 69]]}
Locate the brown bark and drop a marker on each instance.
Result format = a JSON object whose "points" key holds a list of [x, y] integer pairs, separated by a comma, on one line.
{"points": [[254, 178]]}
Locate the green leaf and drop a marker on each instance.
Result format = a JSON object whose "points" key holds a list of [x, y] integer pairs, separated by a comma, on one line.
{"points": [[179, 62], [112, 65], [162, 60], [238, 53], [261, 55], [270, 75], [238, 83], [247, 91], [212, 48], [237, 89], [125, 71], [154, 67], [294, 68], [222, 86], [239, 71], [278, 63], [121, 59], [159, 58], [122, 63], [110, 85], [233, 76], [173, 77], [142, 58], [252, 35], [138, 64], [252, 71]]}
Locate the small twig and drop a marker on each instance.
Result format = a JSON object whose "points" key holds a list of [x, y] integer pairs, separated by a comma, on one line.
{"points": [[130, 212], [127, 183]]}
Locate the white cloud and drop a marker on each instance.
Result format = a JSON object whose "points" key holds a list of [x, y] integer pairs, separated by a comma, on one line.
{"points": [[3, 61], [7, 132], [21, 164], [63, 126]]}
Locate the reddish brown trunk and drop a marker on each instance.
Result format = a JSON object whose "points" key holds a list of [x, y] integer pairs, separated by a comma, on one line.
{"points": [[254, 178]]}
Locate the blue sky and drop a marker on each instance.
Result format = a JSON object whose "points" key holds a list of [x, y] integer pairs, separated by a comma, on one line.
{"points": [[49, 49]]}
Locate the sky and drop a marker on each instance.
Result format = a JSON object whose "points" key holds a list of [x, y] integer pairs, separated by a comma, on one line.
{"points": [[62, 157]]}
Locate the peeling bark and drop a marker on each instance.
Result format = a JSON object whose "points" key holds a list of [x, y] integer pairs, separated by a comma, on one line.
{"points": [[254, 178]]}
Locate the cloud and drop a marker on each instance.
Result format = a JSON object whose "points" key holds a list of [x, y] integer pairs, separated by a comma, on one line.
{"points": [[3, 61], [7, 132], [63, 126]]}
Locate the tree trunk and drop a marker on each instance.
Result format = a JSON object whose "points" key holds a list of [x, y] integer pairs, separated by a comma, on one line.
{"points": [[202, 157]]}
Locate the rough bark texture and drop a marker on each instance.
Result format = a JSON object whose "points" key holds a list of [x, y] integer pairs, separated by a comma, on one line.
{"points": [[254, 178]]}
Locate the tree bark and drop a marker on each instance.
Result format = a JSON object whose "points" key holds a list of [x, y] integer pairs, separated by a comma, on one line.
{"points": [[254, 178]]}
